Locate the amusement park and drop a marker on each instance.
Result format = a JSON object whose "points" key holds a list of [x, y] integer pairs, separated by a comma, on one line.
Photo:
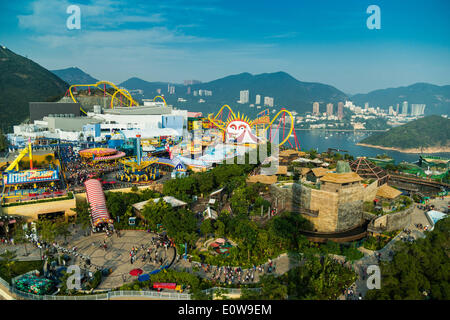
{"points": [[151, 198]]}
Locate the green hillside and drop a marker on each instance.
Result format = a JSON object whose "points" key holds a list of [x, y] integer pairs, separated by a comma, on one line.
{"points": [[23, 81], [431, 131]]}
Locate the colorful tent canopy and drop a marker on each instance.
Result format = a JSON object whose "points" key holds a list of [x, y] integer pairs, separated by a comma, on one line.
{"points": [[144, 277], [136, 272], [97, 202]]}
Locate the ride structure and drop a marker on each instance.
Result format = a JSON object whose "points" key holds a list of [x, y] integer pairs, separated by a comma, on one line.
{"points": [[118, 93], [123, 93], [239, 128]]}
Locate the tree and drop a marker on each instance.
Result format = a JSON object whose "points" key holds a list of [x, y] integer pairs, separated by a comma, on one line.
{"points": [[3, 141], [271, 289], [181, 226], [62, 229], [8, 260], [154, 212], [207, 227], [83, 213], [20, 236], [417, 268], [47, 230]]}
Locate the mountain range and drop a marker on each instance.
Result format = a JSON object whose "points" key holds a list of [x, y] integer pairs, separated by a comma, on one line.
{"points": [[74, 75], [23, 81], [287, 92], [436, 98]]}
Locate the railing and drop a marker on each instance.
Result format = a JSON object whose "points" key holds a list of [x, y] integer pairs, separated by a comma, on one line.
{"points": [[229, 290], [151, 294], [104, 296], [4, 283]]}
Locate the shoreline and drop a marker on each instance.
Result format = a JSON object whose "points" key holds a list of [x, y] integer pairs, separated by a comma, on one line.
{"points": [[411, 150]]}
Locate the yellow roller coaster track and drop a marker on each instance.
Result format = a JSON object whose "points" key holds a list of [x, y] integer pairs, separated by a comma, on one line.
{"points": [[162, 98], [124, 92], [220, 123], [273, 120]]}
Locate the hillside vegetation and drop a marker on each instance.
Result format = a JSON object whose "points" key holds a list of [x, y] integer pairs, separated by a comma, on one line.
{"points": [[23, 81], [419, 270], [431, 131]]}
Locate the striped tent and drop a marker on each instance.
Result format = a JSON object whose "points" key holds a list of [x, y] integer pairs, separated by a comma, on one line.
{"points": [[97, 202], [118, 155]]}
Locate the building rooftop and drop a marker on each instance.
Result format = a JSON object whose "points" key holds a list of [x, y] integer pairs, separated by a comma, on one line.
{"points": [[388, 192], [262, 179], [289, 152], [319, 172], [304, 171], [174, 202], [341, 178], [282, 170]]}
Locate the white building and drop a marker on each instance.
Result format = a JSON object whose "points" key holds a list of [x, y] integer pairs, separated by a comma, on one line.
{"points": [[405, 108], [268, 101], [258, 99], [244, 96], [417, 109]]}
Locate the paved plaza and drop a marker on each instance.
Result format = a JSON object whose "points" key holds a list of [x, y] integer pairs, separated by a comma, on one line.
{"points": [[117, 255]]}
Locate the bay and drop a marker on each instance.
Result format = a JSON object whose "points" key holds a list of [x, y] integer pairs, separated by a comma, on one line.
{"points": [[321, 140]]}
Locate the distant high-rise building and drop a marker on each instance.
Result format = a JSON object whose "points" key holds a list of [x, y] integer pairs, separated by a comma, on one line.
{"points": [[348, 104], [258, 99], [268, 101], [405, 108], [172, 90], [158, 91], [195, 93], [391, 111], [329, 109], [398, 108], [340, 110], [316, 108], [189, 90], [417, 109], [191, 82], [366, 105], [244, 96]]}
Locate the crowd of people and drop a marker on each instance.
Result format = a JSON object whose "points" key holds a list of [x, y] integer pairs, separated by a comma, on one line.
{"points": [[152, 252], [79, 170]]}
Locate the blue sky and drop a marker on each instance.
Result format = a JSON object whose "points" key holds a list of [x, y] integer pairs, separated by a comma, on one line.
{"points": [[317, 41]]}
